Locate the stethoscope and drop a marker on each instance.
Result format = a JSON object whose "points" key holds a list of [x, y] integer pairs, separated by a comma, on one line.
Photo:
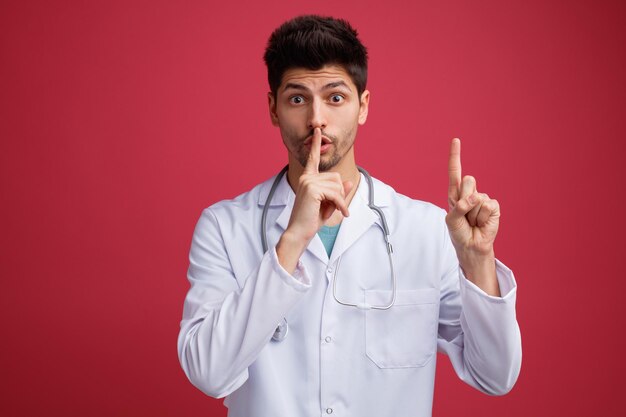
{"points": [[283, 327]]}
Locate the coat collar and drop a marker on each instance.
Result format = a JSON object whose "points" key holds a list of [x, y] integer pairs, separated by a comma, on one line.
{"points": [[360, 220]]}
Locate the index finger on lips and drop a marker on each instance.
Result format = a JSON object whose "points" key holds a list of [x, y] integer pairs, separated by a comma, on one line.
{"points": [[313, 163], [454, 170]]}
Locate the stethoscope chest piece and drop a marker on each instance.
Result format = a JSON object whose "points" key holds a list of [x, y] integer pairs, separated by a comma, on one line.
{"points": [[281, 331]]}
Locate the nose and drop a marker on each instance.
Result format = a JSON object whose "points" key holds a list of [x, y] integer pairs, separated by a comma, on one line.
{"points": [[317, 115]]}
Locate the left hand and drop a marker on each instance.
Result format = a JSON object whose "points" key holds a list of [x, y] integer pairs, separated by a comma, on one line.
{"points": [[472, 221]]}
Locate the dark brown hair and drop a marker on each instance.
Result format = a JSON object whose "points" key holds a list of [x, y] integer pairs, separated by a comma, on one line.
{"points": [[312, 42]]}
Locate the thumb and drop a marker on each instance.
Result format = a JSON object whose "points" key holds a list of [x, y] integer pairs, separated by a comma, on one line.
{"points": [[347, 187], [456, 216]]}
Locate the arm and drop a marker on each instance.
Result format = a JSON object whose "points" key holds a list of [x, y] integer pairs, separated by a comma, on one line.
{"points": [[479, 332], [473, 220], [478, 328], [224, 326]]}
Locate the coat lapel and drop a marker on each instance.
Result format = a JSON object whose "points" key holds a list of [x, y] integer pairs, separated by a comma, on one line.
{"points": [[360, 220]]}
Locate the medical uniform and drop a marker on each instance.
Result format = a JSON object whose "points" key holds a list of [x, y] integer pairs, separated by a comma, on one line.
{"points": [[339, 360]]}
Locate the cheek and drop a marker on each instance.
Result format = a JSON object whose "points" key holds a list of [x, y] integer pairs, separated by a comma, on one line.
{"points": [[289, 121], [290, 137], [349, 115], [349, 121], [287, 132]]}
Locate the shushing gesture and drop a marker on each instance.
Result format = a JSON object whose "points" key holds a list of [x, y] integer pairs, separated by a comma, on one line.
{"points": [[318, 196], [472, 220]]}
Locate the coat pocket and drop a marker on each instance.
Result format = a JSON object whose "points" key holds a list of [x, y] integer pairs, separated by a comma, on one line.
{"points": [[405, 335]]}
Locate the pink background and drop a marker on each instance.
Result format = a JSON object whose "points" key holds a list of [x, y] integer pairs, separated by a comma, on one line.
{"points": [[120, 121]]}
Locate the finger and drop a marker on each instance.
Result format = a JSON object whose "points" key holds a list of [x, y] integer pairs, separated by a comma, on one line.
{"points": [[454, 171], [336, 198], [313, 163], [327, 210], [326, 186], [456, 216], [468, 186], [473, 214], [330, 192], [332, 179], [489, 209]]}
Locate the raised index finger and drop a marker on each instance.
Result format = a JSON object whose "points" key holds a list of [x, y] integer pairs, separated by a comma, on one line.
{"points": [[454, 169], [313, 163]]}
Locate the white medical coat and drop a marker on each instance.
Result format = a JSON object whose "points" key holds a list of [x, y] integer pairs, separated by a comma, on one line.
{"points": [[336, 359]]}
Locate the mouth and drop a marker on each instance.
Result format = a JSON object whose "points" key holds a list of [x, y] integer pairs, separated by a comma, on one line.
{"points": [[325, 141], [325, 145]]}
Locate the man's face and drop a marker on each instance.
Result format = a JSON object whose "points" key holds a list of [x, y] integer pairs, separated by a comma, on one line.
{"points": [[325, 98]]}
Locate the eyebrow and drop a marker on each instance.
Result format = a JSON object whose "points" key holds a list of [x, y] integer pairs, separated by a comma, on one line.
{"points": [[296, 86]]}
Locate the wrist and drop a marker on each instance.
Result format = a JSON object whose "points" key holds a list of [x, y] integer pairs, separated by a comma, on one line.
{"points": [[480, 269], [476, 259], [289, 249]]}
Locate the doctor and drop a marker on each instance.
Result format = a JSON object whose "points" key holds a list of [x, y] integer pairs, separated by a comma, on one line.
{"points": [[359, 326]]}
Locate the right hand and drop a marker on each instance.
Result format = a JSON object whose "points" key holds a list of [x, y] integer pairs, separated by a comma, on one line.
{"points": [[318, 195]]}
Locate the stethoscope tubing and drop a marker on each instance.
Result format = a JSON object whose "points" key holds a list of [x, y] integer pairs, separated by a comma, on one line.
{"points": [[283, 327]]}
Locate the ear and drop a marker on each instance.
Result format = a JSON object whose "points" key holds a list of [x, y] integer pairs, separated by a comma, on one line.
{"points": [[271, 101], [363, 108]]}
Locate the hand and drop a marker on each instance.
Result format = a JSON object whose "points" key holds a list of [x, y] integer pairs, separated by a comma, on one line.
{"points": [[472, 221], [318, 195]]}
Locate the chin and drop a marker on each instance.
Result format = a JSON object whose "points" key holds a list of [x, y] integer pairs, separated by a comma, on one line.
{"points": [[328, 165]]}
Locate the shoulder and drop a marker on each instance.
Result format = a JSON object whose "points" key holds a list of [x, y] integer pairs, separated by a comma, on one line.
{"points": [[401, 204], [241, 206], [416, 224], [410, 219]]}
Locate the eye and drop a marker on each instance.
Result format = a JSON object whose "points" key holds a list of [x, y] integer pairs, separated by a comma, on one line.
{"points": [[296, 100], [336, 98]]}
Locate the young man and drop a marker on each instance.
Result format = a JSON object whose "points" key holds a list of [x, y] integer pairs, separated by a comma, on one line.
{"points": [[361, 312]]}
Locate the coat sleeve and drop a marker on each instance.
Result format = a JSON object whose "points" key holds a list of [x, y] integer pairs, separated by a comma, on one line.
{"points": [[477, 331], [225, 326]]}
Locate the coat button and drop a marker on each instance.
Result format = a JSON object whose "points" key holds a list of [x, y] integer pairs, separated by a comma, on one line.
{"points": [[328, 339], [329, 410]]}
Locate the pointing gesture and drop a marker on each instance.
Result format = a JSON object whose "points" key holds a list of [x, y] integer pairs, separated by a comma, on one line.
{"points": [[472, 220], [454, 172]]}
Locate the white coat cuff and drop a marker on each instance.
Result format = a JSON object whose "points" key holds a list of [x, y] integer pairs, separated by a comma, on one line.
{"points": [[299, 280], [506, 282]]}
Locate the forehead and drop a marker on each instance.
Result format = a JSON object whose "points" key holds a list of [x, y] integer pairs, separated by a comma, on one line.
{"points": [[316, 79]]}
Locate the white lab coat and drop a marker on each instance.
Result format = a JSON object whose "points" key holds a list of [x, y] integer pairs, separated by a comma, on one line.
{"points": [[335, 359]]}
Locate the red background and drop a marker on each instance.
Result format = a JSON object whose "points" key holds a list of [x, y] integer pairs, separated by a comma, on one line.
{"points": [[120, 121]]}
